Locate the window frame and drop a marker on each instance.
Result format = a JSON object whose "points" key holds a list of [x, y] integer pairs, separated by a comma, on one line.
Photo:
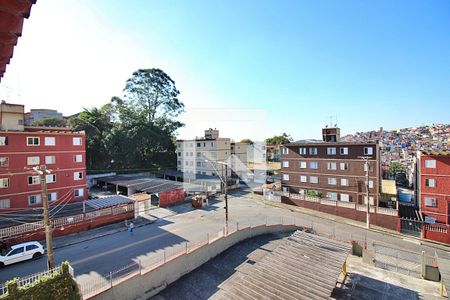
{"points": [[5, 163], [433, 165], [76, 138], [331, 150], [36, 196], [50, 138], [33, 181], [366, 150], [34, 137], [2, 180], [434, 202], [343, 150]]}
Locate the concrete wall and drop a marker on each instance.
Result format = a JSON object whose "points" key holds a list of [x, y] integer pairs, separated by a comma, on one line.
{"points": [[390, 222], [146, 285]]}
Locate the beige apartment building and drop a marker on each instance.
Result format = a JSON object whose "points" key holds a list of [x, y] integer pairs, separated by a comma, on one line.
{"points": [[11, 117], [204, 156]]}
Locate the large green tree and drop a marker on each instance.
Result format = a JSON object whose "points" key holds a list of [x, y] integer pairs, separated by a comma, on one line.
{"points": [[98, 125], [279, 139], [134, 132]]}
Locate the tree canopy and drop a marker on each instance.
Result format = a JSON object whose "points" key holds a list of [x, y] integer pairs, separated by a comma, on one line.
{"points": [[247, 141], [136, 131], [52, 122], [279, 139]]}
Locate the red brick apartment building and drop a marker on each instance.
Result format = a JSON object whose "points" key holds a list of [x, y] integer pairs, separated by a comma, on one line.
{"points": [[433, 190], [331, 169], [22, 148]]}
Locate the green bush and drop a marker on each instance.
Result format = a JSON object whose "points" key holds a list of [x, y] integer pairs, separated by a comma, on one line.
{"points": [[57, 286]]}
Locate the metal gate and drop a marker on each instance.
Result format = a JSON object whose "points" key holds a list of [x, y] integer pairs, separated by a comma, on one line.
{"points": [[410, 226], [401, 261]]}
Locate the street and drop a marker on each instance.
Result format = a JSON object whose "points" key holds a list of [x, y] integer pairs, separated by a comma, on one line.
{"points": [[98, 257]]}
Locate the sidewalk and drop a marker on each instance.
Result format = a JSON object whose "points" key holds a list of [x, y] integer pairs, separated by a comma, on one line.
{"points": [[351, 222], [75, 238]]}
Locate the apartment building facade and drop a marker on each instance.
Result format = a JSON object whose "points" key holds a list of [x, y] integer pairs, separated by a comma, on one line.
{"points": [[22, 148], [332, 170], [433, 186]]}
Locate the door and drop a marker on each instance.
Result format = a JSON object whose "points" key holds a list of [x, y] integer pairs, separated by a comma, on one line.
{"points": [[15, 255]]}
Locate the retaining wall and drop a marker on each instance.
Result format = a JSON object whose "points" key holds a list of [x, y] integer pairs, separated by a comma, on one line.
{"points": [[146, 285], [390, 222]]}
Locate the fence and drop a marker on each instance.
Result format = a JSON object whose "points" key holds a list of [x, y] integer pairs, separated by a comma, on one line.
{"points": [[351, 205], [58, 222], [31, 279], [403, 261]]}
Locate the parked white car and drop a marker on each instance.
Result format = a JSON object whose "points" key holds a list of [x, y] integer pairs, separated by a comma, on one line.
{"points": [[21, 252]]}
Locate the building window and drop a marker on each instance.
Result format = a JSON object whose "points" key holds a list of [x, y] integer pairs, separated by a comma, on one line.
{"points": [[313, 179], [50, 160], [50, 178], [52, 196], [303, 178], [331, 150], [313, 165], [430, 163], [49, 141], [285, 176], [33, 141], [285, 150], [303, 165], [344, 166], [331, 166], [345, 198], [332, 196], [285, 164], [5, 203], [332, 181], [179, 154], [199, 154], [34, 199], [199, 144], [199, 164], [430, 202], [302, 151], [371, 200], [285, 189], [33, 180], [368, 150], [179, 163], [430, 182], [77, 141], [344, 181], [77, 175], [4, 161], [313, 151], [370, 167], [78, 192], [3, 141], [343, 150], [370, 184], [33, 160], [4, 183], [78, 158]]}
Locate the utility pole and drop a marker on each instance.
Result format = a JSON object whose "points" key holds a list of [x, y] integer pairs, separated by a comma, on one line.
{"points": [[42, 171], [226, 194], [366, 167]]}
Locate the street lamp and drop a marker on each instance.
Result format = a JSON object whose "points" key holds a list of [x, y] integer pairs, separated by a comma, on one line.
{"points": [[225, 183]]}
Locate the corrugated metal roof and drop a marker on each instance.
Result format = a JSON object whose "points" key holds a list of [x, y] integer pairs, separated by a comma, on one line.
{"points": [[436, 152], [108, 201], [303, 266], [141, 183]]}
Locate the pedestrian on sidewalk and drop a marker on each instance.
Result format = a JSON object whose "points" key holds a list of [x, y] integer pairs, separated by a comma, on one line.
{"points": [[131, 227]]}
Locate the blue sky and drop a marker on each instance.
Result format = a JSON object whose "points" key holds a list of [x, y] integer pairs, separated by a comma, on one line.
{"points": [[371, 63]]}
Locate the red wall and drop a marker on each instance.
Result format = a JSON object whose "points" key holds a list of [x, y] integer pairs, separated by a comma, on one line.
{"points": [[39, 235], [441, 192], [18, 171], [171, 197], [385, 221]]}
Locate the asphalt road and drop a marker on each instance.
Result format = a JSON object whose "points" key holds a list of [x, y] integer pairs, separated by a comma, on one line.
{"points": [[96, 258]]}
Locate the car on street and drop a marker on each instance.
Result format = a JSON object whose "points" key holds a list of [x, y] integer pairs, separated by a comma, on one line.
{"points": [[21, 252]]}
